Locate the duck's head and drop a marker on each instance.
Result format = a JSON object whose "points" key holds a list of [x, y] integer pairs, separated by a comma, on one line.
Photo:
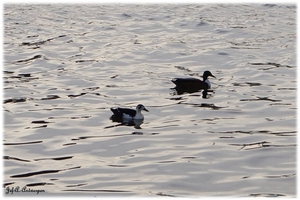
{"points": [[206, 74], [140, 107]]}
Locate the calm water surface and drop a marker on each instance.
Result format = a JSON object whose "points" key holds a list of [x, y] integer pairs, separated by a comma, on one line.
{"points": [[66, 65]]}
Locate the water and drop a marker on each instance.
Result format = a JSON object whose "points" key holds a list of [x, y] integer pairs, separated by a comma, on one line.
{"points": [[66, 65]]}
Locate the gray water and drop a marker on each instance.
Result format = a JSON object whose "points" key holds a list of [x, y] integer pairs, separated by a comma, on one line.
{"points": [[66, 65]]}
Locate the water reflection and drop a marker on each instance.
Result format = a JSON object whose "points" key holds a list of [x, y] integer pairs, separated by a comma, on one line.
{"points": [[206, 94], [136, 123]]}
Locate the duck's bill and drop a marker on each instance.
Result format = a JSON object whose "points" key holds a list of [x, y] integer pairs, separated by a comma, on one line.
{"points": [[146, 110]]}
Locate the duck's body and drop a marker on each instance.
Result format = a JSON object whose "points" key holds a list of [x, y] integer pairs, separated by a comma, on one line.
{"points": [[127, 113], [191, 83], [194, 83]]}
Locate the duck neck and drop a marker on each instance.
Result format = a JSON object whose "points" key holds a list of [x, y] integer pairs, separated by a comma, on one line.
{"points": [[138, 115], [208, 83]]}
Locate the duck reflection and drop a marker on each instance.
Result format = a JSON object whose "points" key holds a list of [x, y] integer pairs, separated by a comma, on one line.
{"points": [[136, 123], [206, 94]]}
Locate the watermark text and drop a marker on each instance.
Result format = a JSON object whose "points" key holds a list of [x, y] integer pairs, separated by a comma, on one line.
{"points": [[17, 189]]}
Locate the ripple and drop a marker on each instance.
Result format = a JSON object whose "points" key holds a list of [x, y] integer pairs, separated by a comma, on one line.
{"points": [[41, 42], [22, 143], [204, 105], [14, 158], [27, 60], [90, 190], [40, 172], [62, 76], [266, 195], [38, 184], [261, 99], [59, 158]]}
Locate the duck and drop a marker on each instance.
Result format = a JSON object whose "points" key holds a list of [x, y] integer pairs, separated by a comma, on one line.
{"points": [[127, 113], [194, 83]]}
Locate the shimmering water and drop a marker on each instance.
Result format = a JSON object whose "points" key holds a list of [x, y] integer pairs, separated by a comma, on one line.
{"points": [[66, 65]]}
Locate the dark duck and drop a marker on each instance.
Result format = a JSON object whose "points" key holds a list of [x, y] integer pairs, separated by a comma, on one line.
{"points": [[127, 113], [194, 83]]}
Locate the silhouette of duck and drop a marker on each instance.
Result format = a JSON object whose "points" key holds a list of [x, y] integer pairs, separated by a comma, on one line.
{"points": [[127, 113], [193, 84]]}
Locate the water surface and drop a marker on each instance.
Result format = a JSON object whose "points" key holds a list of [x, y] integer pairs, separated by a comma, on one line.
{"points": [[66, 65]]}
